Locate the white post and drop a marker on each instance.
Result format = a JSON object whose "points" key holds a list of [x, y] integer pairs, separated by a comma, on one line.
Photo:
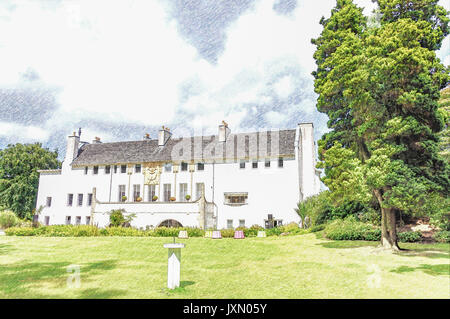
{"points": [[174, 265]]}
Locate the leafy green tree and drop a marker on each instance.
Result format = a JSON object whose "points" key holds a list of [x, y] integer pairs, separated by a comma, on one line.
{"points": [[382, 84], [19, 178], [444, 109]]}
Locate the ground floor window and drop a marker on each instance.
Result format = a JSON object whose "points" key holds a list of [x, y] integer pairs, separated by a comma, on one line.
{"points": [[229, 223], [47, 220], [271, 223], [241, 222], [88, 220], [78, 220], [199, 187], [170, 223], [68, 220]]}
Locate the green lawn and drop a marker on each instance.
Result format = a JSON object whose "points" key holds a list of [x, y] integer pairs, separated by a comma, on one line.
{"points": [[274, 267]]}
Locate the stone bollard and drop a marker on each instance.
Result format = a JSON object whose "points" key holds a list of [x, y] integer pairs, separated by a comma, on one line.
{"points": [[216, 234], [239, 234], [261, 233], [183, 234], [174, 264], [208, 234]]}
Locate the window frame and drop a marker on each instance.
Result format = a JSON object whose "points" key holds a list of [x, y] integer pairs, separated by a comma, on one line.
{"points": [[138, 168], [254, 164], [123, 169], [228, 195], [280, 162], [107, 169], [267, 163], [48, 201], [95, 170], [80, 200], [202, 165], [69, 200], [184, 166]]}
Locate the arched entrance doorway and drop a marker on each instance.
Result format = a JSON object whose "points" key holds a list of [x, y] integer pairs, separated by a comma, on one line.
{"points": [[170, 223]]}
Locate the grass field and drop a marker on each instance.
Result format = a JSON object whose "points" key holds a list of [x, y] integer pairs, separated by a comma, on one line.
{"points": [[274, 267]]}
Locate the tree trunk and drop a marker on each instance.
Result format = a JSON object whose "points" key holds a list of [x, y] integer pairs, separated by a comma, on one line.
{"points": [[388, 224], [389, 229]]}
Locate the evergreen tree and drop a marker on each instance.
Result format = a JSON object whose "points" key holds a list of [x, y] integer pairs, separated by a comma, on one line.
{"points": [[383, 83]]}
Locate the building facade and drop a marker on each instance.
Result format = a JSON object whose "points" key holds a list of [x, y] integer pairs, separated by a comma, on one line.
{"points": [[220, 181]]}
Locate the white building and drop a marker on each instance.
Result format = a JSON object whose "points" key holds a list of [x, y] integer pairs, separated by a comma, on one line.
{"points": [[233, 179]]}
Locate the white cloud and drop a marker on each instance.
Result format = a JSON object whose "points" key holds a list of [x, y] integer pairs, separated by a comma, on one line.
{"points": [[22, 132]]}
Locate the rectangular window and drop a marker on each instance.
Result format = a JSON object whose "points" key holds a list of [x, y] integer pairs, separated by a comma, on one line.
{"points": [[107, 169], [122, 193], [183, 191], [184, 166], [49, 202], [78, 220], [280, 162], [137, 168], [95, 170], [89, 200], [86, 170], [200, 166], [47, 220], [255, 164], [69, 199], [136, 192], [229, 223], [151, 192], [242, 164], [168, 167], [236, 199], [123, 169], [198, 189], [80, 199], [267, 163], [115, 169], [68, 220], [241, 222], [167, 193], [88, 220]]}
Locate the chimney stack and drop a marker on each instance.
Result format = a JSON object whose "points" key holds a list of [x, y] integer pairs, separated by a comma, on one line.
{"points": [[96, 140], [224, 131], [73, 142], [163, 136], [147, 137]]}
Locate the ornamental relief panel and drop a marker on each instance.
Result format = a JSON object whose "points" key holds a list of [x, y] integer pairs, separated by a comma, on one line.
{"points": [[152, 173]]}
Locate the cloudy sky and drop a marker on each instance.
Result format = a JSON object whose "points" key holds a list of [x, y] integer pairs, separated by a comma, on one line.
{"points": [[118, 69]]}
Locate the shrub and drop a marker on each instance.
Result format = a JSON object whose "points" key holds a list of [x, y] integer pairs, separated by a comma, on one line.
{"points": [[155, 198], [172, 199], [8, 219], [252, 231], [317, 228], [273, 231], [351, 229], [409, 237], [227, 233], [188, 197], [20, 231], [290, 228], [442, 236], [117, 218]]}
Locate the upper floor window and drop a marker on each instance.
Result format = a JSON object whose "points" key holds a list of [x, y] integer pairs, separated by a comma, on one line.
{"points": [[242, 164], [89, 199], [267, 163], [107, 169], [49, 202], [184, 166], [86, 169], [167, 192], [183, 191], [255, 164], [123, 168], [200, 166], [280, 162], [69, 199], [122, 197], [115, 169], [236, 199], [95, 171], [137, 168], [136, 192], [80, 199], [168, 167]]}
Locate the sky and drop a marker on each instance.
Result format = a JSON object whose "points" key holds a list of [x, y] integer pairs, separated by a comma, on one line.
{"points": [[120, 69]]}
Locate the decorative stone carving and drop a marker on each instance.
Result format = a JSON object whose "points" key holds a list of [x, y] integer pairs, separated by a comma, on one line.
{"points": [[152, 174]]}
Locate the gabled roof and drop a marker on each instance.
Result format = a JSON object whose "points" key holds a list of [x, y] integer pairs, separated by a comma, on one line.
{"points": [[237, 146]]}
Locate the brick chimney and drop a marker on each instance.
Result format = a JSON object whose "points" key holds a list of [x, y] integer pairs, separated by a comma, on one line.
{"points": [[163, 136], [224, 131], [96, 140]]}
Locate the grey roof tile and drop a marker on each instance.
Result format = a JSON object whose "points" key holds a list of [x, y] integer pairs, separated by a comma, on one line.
{"points": [[237, 146]]}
